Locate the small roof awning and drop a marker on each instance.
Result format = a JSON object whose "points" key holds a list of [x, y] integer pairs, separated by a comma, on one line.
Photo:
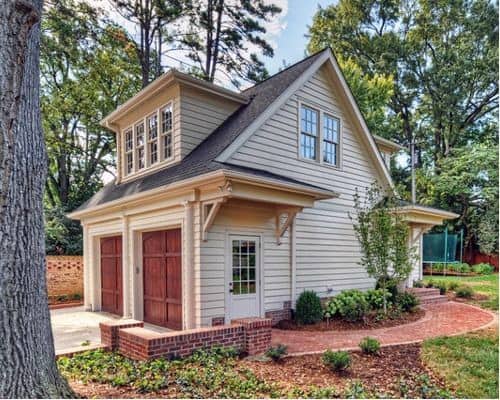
{"points": [[417, 214]]}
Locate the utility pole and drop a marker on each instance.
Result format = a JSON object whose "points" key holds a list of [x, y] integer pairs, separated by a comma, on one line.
{"points": [[413, 184]]}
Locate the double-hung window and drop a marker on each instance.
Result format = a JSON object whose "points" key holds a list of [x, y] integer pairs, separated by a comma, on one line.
{"points": [[129, 151], [166, 131], [139, 145], [308, 133], [331, 133], [152, 124]]}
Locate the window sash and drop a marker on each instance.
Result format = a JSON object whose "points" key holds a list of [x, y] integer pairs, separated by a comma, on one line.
{"points": [[308, 132], [331, 136]]}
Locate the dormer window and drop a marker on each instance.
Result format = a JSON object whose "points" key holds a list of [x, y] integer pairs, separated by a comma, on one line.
{"points": [[166, 131], [152, 124], [139, 145], [148, 142]]}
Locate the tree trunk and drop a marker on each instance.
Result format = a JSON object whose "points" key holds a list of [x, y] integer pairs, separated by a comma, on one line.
{"points": [[27, 359]]}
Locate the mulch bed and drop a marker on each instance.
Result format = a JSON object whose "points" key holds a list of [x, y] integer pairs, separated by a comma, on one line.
{"points": [[370, 322], [386, 373], [382, 373]]}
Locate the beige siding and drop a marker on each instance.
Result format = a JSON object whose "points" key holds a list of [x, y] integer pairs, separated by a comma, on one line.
{"points": [[327, 250], [244, 219], [200, 115]]}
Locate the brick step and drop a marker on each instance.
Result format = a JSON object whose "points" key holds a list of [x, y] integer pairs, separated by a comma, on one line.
{"points": [[423, 291], [428, 295], [433, 299]]}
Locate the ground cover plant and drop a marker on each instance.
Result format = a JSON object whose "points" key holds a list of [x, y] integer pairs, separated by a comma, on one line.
{"points": [[485, 287]]}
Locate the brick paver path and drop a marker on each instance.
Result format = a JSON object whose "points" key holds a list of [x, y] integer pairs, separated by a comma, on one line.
{"points": [[443, 319]]}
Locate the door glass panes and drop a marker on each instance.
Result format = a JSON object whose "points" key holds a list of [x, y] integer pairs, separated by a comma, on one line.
{"points": [[244, 267]]}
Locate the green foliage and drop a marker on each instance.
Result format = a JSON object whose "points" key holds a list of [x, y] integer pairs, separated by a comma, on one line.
{"points": [[375, 298], [407, 301], [418, 284], [308, 308], [383, 235], [460, 267], [351, 305], [369, 345], [390, 284], [464, 291], [276, 353], [483, 269], [442, 287], [337, 360], [452, 285]]}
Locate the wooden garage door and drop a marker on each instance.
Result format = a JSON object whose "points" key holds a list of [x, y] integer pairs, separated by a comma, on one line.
{"points": [[111, 275], [162, 278]]}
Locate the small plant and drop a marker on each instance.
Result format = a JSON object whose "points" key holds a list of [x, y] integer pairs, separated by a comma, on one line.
{"points": [[391, 287], [464, 291], [276, 353], [308, 309], [407, 301], [452, 285], [369, 345], [375, 298], [337, 360], [85, 343], [442, 287], [76, 296], [418, 284], [483, 269], [430, 283], [62, 298]]}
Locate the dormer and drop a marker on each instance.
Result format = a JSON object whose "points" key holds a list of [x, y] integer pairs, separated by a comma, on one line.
{"points": [[387, 148], [166, 120]]}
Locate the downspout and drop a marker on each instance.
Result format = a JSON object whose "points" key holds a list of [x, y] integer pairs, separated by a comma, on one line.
{"points": [[293, 261]]}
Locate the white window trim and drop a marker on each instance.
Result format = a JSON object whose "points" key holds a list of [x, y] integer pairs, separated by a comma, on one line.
{"points": [[147, 166], [319, 145]]}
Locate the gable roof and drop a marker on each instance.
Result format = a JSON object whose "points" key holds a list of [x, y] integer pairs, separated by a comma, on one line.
{"points": [[212, 153]]}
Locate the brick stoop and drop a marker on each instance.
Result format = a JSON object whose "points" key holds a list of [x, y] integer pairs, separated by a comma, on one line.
{"points": [[428, 295]]}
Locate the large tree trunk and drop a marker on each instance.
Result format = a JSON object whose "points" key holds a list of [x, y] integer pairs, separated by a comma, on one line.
{"points": [[27, 360]]}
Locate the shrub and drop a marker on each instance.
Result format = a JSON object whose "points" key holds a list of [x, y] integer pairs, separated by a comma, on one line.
{"points": [[277, 353], [430, 283], [76, 296], [464, 291], [452, 285], [418, 284], [308, 308], [337, 360], [350, 304], [460, 267], [375, 298], [369, 345], [483, 269], [407, 301]]}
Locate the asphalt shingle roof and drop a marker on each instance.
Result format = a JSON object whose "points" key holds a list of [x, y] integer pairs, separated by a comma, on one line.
{"points": [[202, 159]]}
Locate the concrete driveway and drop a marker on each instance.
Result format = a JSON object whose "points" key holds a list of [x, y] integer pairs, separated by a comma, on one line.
{"points": [[74, 327]]}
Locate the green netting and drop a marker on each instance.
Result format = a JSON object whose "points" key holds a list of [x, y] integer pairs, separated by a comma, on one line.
{"points": [[434, 248]]}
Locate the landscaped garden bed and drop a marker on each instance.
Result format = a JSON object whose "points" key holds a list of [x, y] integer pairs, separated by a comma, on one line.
{"points": [[458, 269]]}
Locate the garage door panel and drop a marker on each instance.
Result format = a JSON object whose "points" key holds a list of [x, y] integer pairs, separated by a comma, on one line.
{"points": [[111, 275], [162, 278]]}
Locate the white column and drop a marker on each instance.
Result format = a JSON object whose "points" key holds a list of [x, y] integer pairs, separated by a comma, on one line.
{"points": [[127, 269], [188, 302], [87, 265], [293, 261], [94, 270]]}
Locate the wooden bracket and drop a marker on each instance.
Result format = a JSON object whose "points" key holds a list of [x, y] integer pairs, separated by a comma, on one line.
{"points": [[208, 218], [291, 213]]}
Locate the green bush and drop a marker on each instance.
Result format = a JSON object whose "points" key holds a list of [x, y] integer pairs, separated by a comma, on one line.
{"points": [[276, 353], [308, 309], [391, 286], [483, 269], [407, 301], [349, 304], [418, 284], [337, 360], [430, 283], [460, 267], [375, 298], [369, 345], [464, 291], [452, 285]]}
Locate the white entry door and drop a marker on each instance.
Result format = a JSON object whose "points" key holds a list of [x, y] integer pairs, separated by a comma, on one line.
{"points": [[244, 276]]}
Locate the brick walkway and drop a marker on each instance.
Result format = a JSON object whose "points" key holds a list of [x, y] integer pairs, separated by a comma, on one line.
{"points": [[449, 318]]}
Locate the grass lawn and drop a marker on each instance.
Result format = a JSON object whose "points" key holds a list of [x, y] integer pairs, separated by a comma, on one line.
{"points": [[486, 285], [468, 363]]}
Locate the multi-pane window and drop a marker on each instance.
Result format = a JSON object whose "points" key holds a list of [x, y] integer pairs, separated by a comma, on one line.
{"points": [[166, 131], [331, 140], [244, 267], [139, 145], [308, 133], [152, 124], [129, 151]]}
